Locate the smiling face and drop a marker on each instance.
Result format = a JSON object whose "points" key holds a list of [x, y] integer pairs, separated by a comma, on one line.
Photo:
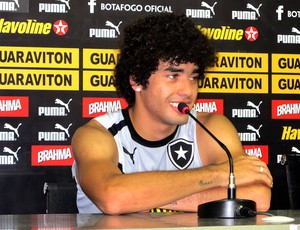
{"points": [[169, 85]]}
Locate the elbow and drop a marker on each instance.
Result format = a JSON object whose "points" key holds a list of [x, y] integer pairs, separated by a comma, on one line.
{"points": [[263, 206], [110, 207], [110, 210], [264, 202], [259, 193], [113, 202]]}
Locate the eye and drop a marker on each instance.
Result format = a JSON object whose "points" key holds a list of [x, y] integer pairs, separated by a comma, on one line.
{"points": [[194, 78], [173, 76]]}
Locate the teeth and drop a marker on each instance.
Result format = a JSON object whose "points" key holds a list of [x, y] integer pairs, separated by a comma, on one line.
{"points": [[174, 104]]}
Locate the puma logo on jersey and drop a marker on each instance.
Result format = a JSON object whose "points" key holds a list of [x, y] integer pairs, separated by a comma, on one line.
{"points": [[129, 153]]}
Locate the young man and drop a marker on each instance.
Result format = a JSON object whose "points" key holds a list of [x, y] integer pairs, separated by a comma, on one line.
{"points": [[150, 155]]}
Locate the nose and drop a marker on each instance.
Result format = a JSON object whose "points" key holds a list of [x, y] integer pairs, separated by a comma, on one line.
{"points": [[186, 87]]}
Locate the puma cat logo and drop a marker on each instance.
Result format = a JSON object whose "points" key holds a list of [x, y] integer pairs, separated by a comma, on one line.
{"points": [[130, 154]]}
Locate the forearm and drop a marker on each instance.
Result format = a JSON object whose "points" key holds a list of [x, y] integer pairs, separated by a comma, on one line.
{"points": [[140, 191], [259, 193], [190, 203]]}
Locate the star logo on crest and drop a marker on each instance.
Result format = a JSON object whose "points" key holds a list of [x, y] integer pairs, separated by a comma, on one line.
{"points": [[181, 153]]}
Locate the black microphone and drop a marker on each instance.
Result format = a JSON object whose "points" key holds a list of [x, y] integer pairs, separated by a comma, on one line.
{"points": [[226, 208]]}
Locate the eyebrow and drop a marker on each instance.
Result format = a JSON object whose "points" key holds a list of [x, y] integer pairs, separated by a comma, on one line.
{"points": [[180, 70]]}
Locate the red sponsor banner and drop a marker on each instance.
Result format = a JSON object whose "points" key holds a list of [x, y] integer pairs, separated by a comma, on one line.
{"points": [[96, 106], [285, 109], [14, 106], [260, 151], [51, 155], [209, 105]]}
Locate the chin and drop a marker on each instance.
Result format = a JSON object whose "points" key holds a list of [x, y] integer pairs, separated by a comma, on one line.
{"points": [[181, 121]]}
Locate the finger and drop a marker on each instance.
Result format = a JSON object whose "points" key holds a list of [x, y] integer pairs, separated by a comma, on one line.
{"points": [[263, 170]]}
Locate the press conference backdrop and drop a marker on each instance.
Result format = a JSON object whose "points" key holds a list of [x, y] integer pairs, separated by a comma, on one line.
{"points": [[56, 65]]}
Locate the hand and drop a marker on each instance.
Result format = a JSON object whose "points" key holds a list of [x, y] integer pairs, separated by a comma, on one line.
{"points": [[250, 169]]}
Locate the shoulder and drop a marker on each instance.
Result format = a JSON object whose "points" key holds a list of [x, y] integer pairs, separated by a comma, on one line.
{"points": [[93, 127], [92, 138], [100, 125], [109, 119], [222, 128], [214, 121], [217, 124], [92, 131]]}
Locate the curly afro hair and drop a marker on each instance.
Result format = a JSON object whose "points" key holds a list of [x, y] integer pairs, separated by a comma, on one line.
{"points": [[160, 37]]}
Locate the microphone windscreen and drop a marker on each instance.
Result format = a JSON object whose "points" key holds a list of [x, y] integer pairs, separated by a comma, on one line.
{"points": [[183, 108]]}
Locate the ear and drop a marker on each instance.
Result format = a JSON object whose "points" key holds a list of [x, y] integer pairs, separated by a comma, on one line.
{"points": [[134, 85]]}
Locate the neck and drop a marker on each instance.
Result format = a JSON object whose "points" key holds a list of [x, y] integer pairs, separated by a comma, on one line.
{"points": [[147, 127]]}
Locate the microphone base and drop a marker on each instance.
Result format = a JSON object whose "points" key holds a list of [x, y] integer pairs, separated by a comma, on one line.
{"points": [[227, 208]]}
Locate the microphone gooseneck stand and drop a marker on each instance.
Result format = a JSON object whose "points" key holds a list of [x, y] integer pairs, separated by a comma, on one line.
{"points": [[226, 208]]}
